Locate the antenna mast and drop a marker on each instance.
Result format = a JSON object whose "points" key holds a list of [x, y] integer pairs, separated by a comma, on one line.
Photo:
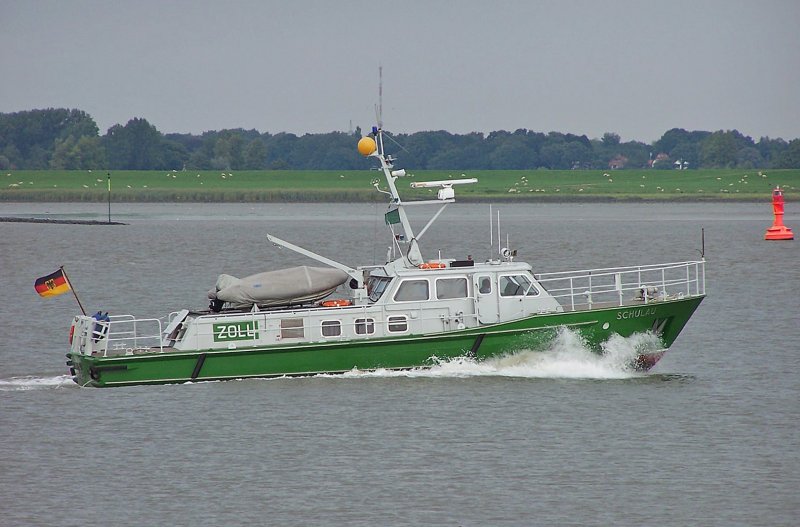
{"points": [[380, 97]]}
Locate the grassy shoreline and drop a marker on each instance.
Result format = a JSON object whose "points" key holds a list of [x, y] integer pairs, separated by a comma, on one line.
{"points": [[356, 186]]}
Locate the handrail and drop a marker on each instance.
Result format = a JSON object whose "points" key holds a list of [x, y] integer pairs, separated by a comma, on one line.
{"points": [[625, 268], [607, 286], [122, 333]]}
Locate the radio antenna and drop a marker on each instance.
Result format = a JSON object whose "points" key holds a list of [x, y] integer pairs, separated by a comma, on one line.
{"points": [[380, 97], [491, 231], [499, 249]]}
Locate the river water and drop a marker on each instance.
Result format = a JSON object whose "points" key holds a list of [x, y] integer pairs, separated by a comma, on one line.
{"points": [[708, 438]]}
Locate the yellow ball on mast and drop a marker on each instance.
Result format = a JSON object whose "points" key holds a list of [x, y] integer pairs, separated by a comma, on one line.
{"points": [[366, 146]]}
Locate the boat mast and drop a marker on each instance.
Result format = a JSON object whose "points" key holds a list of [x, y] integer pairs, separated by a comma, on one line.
{"points": [[414, 255], [372, 146]]}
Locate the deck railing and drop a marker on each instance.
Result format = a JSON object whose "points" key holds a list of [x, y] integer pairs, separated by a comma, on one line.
{"points": [[590, 288], [120, 335]]}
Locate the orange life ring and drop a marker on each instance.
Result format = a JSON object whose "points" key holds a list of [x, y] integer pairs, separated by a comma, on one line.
{"points": [[339, 302], [71, 333], [432, 265]]}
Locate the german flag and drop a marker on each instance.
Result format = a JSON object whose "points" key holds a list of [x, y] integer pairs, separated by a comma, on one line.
{"points": [[52, 284]]}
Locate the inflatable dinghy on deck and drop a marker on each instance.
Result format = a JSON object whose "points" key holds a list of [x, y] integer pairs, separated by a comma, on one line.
{"points": [[295, 285]]}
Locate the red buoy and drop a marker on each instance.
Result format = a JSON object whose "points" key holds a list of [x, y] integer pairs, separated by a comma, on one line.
{"points": [[778, 231]]}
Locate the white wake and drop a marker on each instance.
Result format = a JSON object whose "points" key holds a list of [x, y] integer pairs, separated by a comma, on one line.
{"points": [[567, 357], [30, 382]]}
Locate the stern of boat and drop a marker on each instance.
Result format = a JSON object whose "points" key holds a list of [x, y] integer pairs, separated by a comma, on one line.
{"points": [[82, 344], [100, 344]]}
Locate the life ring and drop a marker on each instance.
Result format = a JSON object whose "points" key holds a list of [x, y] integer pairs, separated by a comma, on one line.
{"points": [[339, 302], [71, 333], [432, 265]]}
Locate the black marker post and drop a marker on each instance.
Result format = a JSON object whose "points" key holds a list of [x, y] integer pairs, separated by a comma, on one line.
{"points": [[109, 198]]}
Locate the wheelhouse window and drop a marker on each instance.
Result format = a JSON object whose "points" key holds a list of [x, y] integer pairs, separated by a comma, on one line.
{"points": [[517, 285], [451, 288], [397, 323], [411, 291], [485, 285], [292, 328], [365, 326], [331, 328], [376, 285]]}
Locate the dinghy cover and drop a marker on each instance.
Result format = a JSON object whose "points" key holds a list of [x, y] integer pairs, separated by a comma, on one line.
{"points": [[295, 285]]}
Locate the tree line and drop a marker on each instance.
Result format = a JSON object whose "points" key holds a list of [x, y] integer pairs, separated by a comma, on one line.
{"points": [[69, 139]]}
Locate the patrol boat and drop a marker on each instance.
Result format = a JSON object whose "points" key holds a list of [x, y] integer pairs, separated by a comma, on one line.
{"points": [[410, 312]]}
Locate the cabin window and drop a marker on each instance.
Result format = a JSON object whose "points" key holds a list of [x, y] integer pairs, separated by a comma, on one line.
{"points": [[365, 326], [412, 290], [292, 328], [451, 288], [376, 285], [517, 285], [485, 285], [398, 323], [331, 328]]}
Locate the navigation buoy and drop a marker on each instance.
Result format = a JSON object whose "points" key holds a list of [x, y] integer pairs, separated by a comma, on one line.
{"points": [[778, 231], [366, 146]]}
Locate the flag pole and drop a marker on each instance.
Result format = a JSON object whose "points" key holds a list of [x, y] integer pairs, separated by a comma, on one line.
{"points": [[74, 293]]}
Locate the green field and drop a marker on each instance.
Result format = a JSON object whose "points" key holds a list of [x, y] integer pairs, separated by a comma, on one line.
{"points": [[349, 186]]}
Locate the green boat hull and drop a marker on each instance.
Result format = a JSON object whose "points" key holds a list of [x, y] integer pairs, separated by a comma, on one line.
{"points": [[532, 333]]}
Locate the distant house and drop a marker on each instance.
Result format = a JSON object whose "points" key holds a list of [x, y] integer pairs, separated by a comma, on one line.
{"points": [[618, 162], [659, 158]]}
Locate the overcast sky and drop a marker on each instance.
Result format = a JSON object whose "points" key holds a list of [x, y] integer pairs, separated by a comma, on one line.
{"points": [[637, 68]]}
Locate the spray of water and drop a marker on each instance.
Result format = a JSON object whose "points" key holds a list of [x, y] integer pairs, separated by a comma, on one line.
{"points": [[567, 357]]}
